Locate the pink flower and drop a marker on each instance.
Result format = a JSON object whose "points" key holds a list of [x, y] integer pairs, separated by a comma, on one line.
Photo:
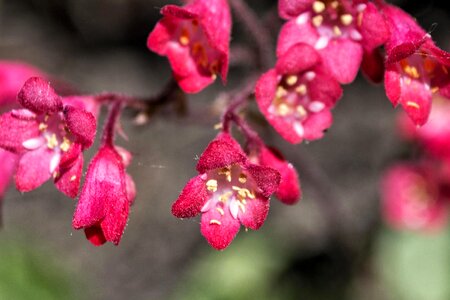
{"points": [[412, 197], [434, 136], [49, 135], [229, 191], [289, 191], [105, 199], [415, 67], [297, 95], [341, 31], [195, 38], [12, 77]]}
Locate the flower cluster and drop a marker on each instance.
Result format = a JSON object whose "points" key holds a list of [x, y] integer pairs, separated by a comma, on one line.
{"points": [[416, 194]]}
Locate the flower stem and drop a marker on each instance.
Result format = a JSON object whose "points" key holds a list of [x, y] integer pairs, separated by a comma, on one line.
{"points": [[115, 109]]}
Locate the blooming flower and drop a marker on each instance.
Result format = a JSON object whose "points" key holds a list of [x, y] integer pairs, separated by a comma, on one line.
{"points": [[229, 191], [49, 135], [415, 67], [195, 38], [289, 190], [341, 31], [412, 197], [105, 199], [297, 95]]}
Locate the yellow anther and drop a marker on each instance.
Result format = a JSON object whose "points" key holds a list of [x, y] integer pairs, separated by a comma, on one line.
{"points": [[301, 89], [42, 126], [73, 177], [411, 71], [227, 172], [55, 174], [235, 188], [283, 109], [65, 145], [52, 141], [337, 31], [215, 222], [184, 37], [407, 80], [413, 104], [211, 185], [224, 197], [218, 126], [291, 80], [281, 92], [346, 19], [301, 111], [220, 210], [241, 194], [318, 7], [317, 20], [242, 178], [249, 194], [434, 89]]}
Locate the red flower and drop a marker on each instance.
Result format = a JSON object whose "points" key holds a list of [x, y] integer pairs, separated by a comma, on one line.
{"points": [[195, 38], [434, 136], [289, 190], [340, 30], [229, 191], [296, 96], [49, 135], [415, 67], [105, 199], [412, 197]]}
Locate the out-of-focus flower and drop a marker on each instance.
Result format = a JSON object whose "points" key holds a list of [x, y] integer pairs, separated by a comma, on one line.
{"points": [[297, 95], [341, 31], [195, 38], [413, 198], [229, 191], [49, 135], [434, 136], [415, 67]]}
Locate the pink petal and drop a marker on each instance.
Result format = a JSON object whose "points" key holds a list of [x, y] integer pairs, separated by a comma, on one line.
{"points": [[219, 230], [34, 169], [372, 65], [392, 85], [335, 59], [14, 131], [191, 199], [221, 152], [316, 125], [38, 96], [266, 178], [297, 59], [289, 9], [95, 235], [255, 214], [293, 33], [81, 124], [68, 179], [373, 29]]}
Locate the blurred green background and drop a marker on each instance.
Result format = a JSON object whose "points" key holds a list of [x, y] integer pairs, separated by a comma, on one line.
{"points": [[332, 245]]}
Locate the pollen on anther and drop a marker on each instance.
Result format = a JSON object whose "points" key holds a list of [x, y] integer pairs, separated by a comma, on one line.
{"points": [[73, 177], [337, 31], [346, 19], [301, 89], [220, 210], [42, 126], [211, 185], [242, 178], [291, 80], [318, 6], [216, 222], [52, 141], [184, 38], [412, 104], [317, 20]]}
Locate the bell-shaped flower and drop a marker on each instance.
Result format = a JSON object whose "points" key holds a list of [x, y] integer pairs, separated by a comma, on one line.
{"points": [[297, 95], [229, 191], [415, 67], [105, 199], [49, 135], [412, 197], [195, 38], [341, 31]]}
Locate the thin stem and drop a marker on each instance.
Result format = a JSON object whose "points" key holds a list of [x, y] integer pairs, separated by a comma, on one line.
{"points": [[262, 38], [111, 121]]}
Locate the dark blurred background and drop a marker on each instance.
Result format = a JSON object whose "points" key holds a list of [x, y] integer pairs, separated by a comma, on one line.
{"points": [[332, 245]]}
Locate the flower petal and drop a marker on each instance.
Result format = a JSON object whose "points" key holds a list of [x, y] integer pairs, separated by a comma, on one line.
{"points": [[219, 230], [14, 131], [267, 179], [38, 96], [81, 124], [34, 169], [191, 199], [255, 214], [68, 179]]}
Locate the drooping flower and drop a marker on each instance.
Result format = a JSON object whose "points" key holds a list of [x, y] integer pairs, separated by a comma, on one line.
{"points": [[289, 190], [195, 38], [229, 191], [49, 135], [297, 95], [104, 203], [108, 191], [341, 31], [415, 67], [434, 136], [412, 197]]}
